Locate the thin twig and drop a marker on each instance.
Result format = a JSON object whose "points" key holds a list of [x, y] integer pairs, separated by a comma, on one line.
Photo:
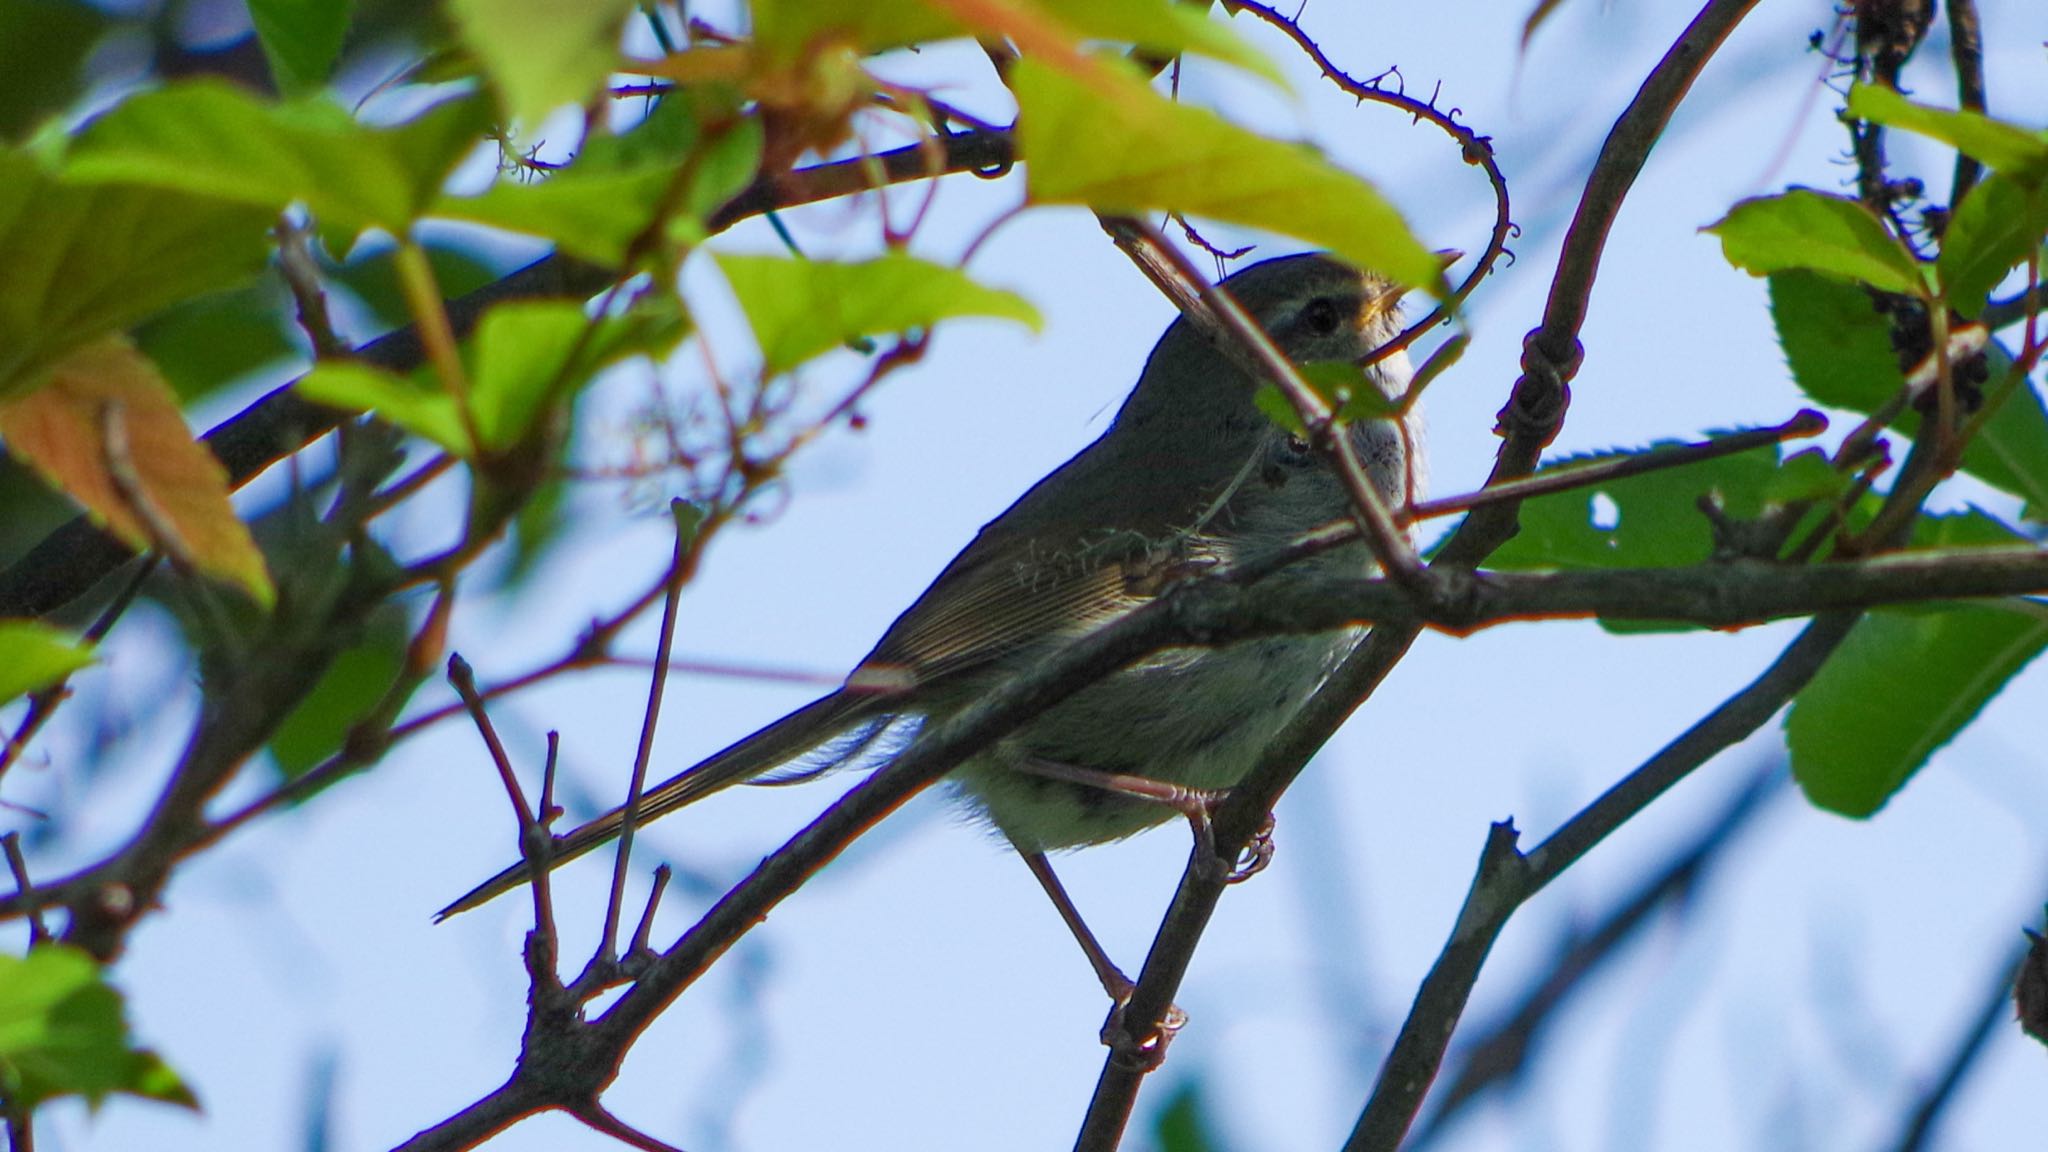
{"points": [[1477, 150], [1966, 49], [1508, 878], [17, 865], [1918, 1125], [1502, 1054], [682, 566]]}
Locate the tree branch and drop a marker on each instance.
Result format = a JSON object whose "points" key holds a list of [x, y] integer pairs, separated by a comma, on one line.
{"points": [[1507, 879], [68, 562]]}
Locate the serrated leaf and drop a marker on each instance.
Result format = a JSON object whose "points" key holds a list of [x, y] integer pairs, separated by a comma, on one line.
{"points": [[541, 54], [421, 409], [2003, 145], [1804, 229], [1655, 520], [63, 430], [1901, 686], [1806, 475], [1838, 347], [34, 656], [529, 354], [42, 45], [350, 175], [301, 39], [1996, 228], [801, 308], [1109, 141], [1971, 528], [83, 262], [613, 192], [62, 1033]]}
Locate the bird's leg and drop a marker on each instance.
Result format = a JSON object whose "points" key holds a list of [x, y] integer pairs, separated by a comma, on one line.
{"points": [[1194, 803], [1113, 979], [1146, 1054]]}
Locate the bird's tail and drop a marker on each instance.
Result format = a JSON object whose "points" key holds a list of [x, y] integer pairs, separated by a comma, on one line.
{"points": [[786, 739]]}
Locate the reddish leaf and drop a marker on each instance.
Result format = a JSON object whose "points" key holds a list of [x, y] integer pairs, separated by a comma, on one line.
{"points": [[153, 485]]}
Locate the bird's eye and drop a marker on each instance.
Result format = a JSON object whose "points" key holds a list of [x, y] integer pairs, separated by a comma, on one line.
{"points": [[1321, 316]]}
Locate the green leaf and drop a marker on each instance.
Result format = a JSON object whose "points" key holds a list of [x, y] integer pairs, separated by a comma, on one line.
{"points": [[62, 1034], [1821, 233], [83, 262], [34, 656], [42, 45], [353, 684], [802, 308], [1807, 475], [1269, 400], [617, 187], [525, 357], [205, 344], [2003, 145], [1184, 1123], [2011, 451], [1838, 346], [529, 355], [1901, 686], [301, 39], [1998, 225], [1110, 142], [422, 409], [1839, 349], [1972, 528], [1164, 28], [1341, 384], [787, 29], [542, 54], [350, 175], [1656, 521]]}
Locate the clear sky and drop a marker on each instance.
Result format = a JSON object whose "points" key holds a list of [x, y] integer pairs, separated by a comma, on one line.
{"points": [[921, 994]]}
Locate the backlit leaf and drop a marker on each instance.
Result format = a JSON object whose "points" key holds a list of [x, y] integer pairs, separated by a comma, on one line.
{"points": [[1998, 225], [542, 54], [84, 261], [801, 308], [350, 175], [1804, 229], [1109, 141], [106, 431], [34, 656], [301, 39], [62, 1033], [2001, 144]]}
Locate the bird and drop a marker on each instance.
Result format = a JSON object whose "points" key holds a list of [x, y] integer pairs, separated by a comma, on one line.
{"points": [[1190, 476]]}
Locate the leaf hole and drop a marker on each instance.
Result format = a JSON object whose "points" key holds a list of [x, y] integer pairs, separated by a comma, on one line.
{"points": [[1606, 514]]}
